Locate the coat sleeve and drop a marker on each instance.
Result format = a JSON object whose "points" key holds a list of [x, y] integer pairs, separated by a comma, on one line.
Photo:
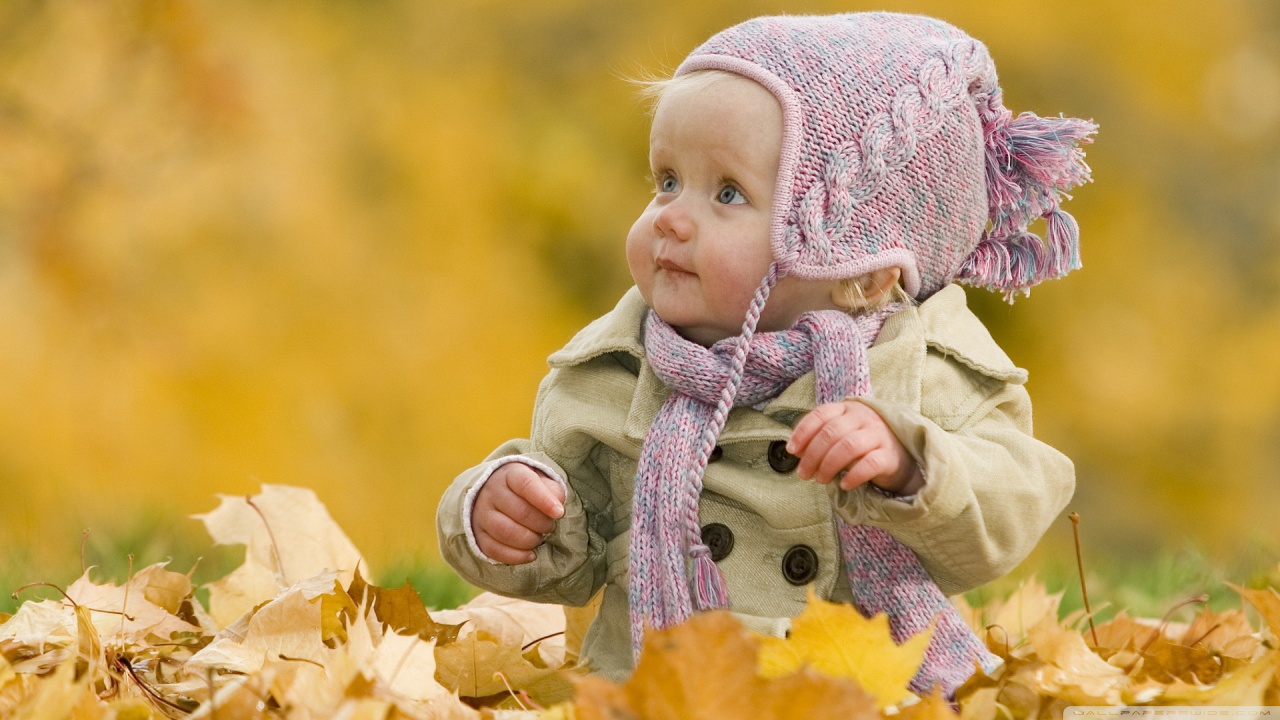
{"points": [[570, 566], [991, 488]]}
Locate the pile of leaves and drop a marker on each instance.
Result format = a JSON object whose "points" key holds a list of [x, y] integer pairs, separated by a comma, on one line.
{"points": [[296, 632]]}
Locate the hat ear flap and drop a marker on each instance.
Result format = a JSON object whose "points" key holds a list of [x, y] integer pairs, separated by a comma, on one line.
{"points": [[1031, 163]]}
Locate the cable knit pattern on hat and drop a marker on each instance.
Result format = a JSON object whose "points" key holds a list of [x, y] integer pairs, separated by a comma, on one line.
{"points": [[898, 152]]}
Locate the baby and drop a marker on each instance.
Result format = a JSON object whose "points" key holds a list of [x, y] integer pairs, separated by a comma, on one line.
{"points": [[794, 394]]}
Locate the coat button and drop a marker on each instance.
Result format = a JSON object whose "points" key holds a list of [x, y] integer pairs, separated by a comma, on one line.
{"points": [[781, 460], [717, 452], [719, 540], [800, 564]]}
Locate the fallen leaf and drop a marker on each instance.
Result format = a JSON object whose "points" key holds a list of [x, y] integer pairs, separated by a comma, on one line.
{"points": [[123, 614], [288, 536], [287, 627], [576, 622], [931, 707], [1227, 632], [835, 639], [702, 670], [402, 610], [1266, 601], [479, 665], [512, 621], [1068, 668]]}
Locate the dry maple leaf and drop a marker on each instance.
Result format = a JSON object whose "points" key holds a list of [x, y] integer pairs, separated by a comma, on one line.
{"points": [[401, 610], [288, 536], [1070, 669], [286, 627], [123, 614], [512, 621], [479, 665], [835, 639], [1266, 601]]}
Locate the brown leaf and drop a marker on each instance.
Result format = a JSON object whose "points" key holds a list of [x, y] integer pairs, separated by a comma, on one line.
{"points": [[402, 610], [1228, 632]]}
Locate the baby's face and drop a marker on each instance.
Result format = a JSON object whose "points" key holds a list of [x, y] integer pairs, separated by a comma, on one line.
{"points": [[701, 247]]}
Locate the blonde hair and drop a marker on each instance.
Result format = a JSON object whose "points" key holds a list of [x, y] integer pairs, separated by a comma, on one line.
{"points": [[857, 299], [653, 89]]}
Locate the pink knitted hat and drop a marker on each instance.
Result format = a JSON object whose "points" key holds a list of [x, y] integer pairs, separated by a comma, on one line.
{"points": [[897, 151]]}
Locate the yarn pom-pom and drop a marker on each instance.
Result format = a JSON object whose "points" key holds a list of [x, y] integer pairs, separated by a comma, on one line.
{"points": [[1032, 162], [1016, 262]]}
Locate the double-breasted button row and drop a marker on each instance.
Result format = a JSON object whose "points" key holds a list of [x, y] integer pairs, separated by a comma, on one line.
{"points": [[799, 563], [781, 460]]}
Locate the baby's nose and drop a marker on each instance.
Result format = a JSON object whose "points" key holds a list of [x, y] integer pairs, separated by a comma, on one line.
{"points": [[674, 220]]}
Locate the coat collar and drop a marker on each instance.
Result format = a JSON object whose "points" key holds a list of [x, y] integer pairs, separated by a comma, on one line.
{"points": [[942, 322]]}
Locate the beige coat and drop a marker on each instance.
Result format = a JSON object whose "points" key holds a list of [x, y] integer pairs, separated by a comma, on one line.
{"points": [[949, 393]]}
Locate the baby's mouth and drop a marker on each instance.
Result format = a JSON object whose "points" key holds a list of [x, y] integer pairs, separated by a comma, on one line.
{"points": [[672, 266]]}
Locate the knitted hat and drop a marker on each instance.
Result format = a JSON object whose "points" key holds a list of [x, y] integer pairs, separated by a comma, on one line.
{"points": [[897, 151]]}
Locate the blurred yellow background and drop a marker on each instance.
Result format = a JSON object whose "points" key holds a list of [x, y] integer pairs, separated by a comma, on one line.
{"points": [[331, 244]]}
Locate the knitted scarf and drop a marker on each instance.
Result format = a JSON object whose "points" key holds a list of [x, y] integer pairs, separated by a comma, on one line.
{"points": [[885, 576]]}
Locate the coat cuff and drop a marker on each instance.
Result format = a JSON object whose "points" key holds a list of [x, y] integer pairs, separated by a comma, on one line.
{"points": [[469, 500]]}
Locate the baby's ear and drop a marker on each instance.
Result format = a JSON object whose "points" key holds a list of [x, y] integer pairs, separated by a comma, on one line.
{"points": [[865, 291]]}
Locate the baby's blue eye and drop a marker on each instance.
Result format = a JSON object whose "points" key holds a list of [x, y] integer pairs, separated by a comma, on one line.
{"points": [[669, 184], [730, 195]]}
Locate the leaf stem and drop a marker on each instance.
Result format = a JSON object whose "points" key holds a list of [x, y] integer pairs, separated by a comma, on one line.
{"points": [[1084, 592], [281, 577]]}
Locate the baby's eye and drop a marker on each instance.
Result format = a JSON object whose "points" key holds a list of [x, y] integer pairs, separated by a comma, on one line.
{"points": [[730, 195], [668, 184]]}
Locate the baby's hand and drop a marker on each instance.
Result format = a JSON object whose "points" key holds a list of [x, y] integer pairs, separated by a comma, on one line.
{"points": [[849, 441], [515, 511]]}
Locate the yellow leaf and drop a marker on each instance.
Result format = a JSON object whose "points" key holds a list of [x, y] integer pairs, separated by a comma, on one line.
{"points": [[288, 535], [702, 670], [576, 622], [835, 639], [161, 587], [1266, 601], [336, 612], [931, 707], [479, 665], [124, 614], [1071, 669], [512, 621]]}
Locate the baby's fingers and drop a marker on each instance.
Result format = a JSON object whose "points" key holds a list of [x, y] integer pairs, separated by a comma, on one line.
{"points": [[523, 512], [811, 424], [543, 493], [501, 552]]}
